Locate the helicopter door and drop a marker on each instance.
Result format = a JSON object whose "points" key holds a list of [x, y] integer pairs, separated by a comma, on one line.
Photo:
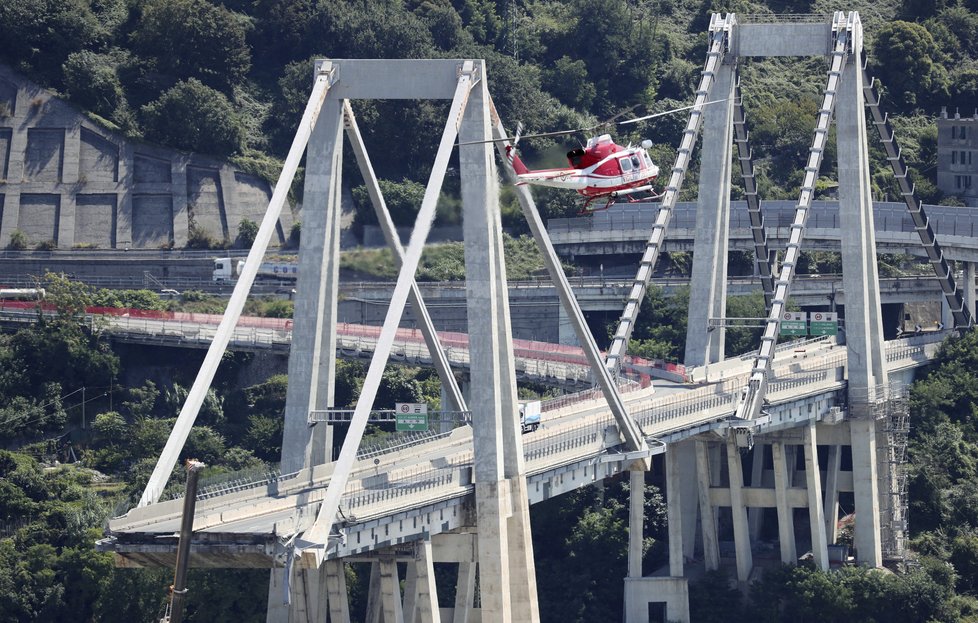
{"points": [[625, 164]]}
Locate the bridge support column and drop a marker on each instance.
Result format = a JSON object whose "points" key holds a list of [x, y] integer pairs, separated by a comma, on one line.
{"points": [[636, 522], [708, 524], [390, 590], [867, 539], [674, 513], [307, 601], [684, 453], [373, 594], [969, 287], [745, 560], [339, 601], [507, 578], [523, 581], [708, 282], [755, 516], [312, 359], [816, 514], [421, 602], [832, 494], [786, 522], [464, 593], [671, 591]]}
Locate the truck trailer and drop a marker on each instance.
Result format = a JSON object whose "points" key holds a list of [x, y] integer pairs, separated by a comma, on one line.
{"points": [[226, 270]]}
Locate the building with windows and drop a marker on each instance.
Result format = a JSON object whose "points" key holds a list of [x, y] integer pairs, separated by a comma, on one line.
{"points": [[957, 162]]}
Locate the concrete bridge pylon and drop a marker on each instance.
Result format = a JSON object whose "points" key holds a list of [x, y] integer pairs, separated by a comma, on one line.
{"points": [[505, 563], [869, 408]]}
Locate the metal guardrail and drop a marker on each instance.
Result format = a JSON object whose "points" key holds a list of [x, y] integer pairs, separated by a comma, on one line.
{"points": [[397, 442], [102, 254], [344, 416]]}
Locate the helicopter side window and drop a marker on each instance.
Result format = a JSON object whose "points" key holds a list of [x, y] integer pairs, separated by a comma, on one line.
{"points": [[574, 157], [635, 162], [626, 165]]}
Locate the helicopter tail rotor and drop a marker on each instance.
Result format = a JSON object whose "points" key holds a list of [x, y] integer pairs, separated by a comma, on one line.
{"points": [[511, 149], [514, 159]]}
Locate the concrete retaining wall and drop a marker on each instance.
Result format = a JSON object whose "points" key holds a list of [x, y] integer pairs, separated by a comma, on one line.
{"points": [[65, 179]]}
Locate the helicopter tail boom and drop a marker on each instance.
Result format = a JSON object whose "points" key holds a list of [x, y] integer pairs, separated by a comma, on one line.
{"points": [[514, 160]]}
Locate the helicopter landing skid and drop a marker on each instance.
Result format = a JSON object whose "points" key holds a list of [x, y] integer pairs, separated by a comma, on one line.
{"points": [[613, 199]]}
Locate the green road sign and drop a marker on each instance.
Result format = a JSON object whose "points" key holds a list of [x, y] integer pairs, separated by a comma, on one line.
{"points": [[825, 323], [411, 416], [794, 323]]}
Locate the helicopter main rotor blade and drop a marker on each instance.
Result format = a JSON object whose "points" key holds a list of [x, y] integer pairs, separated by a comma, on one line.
{"points": [[523, 136], [669, 112], [611, 121], [519, 136]]}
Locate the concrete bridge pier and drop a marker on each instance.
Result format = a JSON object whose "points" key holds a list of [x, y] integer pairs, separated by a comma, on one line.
{"points": [[834, 464], [755, 516], [816, 513], [783, 476], [507, 576], [708, 519], [311, 594], [669, 593]]}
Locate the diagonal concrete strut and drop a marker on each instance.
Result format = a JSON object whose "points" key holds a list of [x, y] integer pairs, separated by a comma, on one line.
{"points": [[195, 398]]}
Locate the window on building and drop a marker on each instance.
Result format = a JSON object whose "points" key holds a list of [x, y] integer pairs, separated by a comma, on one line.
{"points": [[963, 132], [967, 181], [969, 156], [957, 182], [954, 132], [954, 157], [962, 157]]}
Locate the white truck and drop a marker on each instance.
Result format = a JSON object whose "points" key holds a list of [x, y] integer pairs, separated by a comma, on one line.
{"points": [[529, 415], [226, 269]]}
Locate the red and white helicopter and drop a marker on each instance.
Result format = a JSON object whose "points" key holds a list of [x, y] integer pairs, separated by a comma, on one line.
{"points": [[600, 169]]}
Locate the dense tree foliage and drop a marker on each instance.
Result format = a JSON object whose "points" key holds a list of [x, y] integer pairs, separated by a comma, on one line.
{"points": [[194, 117], [186, 39]]}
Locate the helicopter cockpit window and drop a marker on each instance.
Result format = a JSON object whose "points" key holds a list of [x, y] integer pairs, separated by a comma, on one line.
{"points": [[626, 164], [574, 157], [635, 161]]}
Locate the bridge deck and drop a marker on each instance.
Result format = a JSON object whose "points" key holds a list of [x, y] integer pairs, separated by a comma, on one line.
{"points": [[399, 494]]}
